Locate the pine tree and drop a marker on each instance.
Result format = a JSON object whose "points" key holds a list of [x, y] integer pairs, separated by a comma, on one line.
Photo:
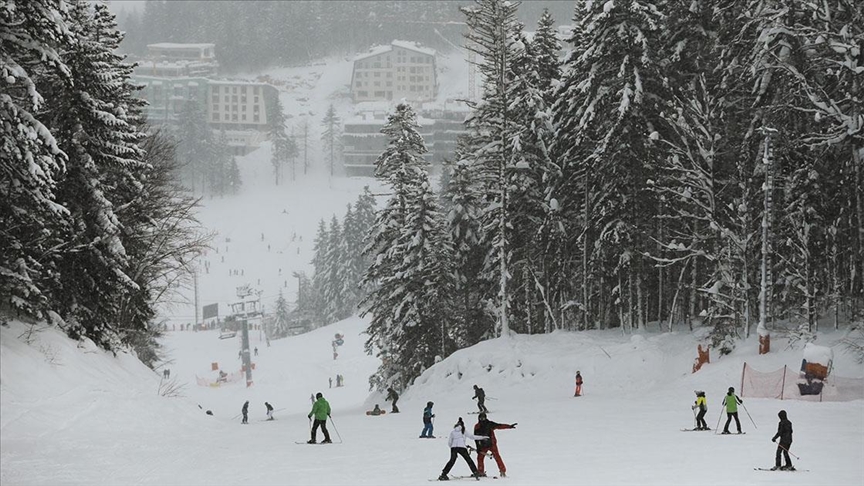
{"points": [[197, 146], [410, 262], [331, 136], [281, 318], [283, 147], [31, 33]]}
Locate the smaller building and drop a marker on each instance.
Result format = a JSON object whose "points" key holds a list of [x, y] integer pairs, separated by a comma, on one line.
{"points": [[401, 70], [166, 96], [238, 105], [182, 52]]}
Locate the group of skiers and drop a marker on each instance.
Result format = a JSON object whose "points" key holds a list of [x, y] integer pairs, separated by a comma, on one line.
{"points": [[245, 412], [730, 403]]}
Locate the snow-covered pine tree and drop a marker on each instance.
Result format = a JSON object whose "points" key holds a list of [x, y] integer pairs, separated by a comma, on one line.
{"points": [[608, 109], [31, 33], [493, 28], [410, 252], [316, 304], [95, 123], [280, 318], [331, 136], [334, 262], [545, 48], [282, 147]]}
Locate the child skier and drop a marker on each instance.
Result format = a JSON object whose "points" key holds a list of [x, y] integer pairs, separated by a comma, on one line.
{"points": [[321, 410], [392, 395], [480, 395], [578, 385], [487, 427], [702, 405], [269, 410], [731, 402], [784, 433], [245, 412], [427, 422], [456, 441]]}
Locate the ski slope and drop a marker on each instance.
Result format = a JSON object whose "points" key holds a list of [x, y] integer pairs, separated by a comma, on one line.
{"points": [[78, 415]]}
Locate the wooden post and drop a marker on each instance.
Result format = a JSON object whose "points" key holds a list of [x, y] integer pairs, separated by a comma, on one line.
{"points": [[743, 369], [783, 386]]}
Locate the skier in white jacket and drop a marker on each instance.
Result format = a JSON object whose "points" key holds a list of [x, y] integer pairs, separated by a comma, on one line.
{"points": [[456, 441]]}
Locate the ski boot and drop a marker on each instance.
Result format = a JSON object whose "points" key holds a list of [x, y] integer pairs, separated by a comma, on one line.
{"points": [[311, 441], [326, 441], [776, 468], [443, 477]]}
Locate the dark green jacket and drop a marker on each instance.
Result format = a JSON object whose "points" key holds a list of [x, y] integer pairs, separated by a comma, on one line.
{"points": [[320, 409]]}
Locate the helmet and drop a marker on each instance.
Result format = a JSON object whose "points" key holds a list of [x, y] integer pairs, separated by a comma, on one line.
{"points": [[482, 416], [731, 389], [319, 395], [429, 404]]}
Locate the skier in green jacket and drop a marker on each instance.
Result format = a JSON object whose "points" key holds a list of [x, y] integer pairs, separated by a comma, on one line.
{"points": [[731, 402], [321, 410]]}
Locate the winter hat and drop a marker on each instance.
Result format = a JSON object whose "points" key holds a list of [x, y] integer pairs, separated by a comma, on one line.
{"points": [[429, 404], [319, 395], [482, 416], [782, 414], [731, 389]]}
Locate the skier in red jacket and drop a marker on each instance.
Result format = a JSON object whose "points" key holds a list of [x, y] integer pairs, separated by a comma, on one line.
{"points": [[487, 427]]}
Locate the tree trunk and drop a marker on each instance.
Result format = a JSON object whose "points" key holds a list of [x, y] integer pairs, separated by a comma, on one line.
{"points": [[585, 215], [640, 316], [694, 275]]}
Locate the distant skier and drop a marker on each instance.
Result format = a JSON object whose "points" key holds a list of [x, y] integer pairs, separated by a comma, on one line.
{"points": [[784, 433], [392, 395], [245, 413], [578, 385], [487, 427], [427, 422], [731, 402], [376, 411], [456, 441], [321, 410], [480, 395], [256, 350], [269, 410], [702, 405], [166, 373], [330, 380]]}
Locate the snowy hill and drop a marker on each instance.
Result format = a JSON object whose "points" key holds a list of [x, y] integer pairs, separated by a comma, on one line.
{"points": [[78, 415]]}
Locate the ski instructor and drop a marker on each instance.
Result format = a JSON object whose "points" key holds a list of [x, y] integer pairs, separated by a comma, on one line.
{"points": [[321, 410]]}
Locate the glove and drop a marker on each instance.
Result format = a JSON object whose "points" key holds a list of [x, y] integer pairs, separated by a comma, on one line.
{"points": [[774, 439], [310, 416], [433, 415], [693, 407], [513, 426]]}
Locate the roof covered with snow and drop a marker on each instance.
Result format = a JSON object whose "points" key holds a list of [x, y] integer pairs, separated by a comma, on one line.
{"points": [[174, 45], [374, 51], [413, 46]]}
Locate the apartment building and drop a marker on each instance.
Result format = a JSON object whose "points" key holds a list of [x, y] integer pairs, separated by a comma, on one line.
{"points": [[401, 70]]}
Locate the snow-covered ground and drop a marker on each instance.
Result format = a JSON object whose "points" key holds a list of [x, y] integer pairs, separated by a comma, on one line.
{"points": [[78, 415]]}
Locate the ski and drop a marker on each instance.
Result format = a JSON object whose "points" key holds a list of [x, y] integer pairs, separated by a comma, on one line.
{"points": [[317, 443], [456, 478], [695, 430], [736, 433], [779, 470], [477, 413]]}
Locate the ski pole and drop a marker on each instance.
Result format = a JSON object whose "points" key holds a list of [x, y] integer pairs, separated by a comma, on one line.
{"points": [[748, 414], [718, 422], [335, 429], [787, 450], [695, 423]]}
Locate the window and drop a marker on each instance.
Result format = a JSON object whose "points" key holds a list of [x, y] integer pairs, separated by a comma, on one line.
{"points": [[255, 118], [225, 117], [226, 99], [215, 89], [215, 107], [234, 90], [255, 108], [215, 117], [255, 100], [377, 83], [362, 94], [377, 74], [234, 117], [389, 83], [215, 98], [255, 90], [358, 84], [412, 70], [379, 94], [389, 75], [376, 65], [233, 107], [243, 99], [234, 99], [413, 88], [243, 117]]}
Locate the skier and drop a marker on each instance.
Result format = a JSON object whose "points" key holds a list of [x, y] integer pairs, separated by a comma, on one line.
{"points": [[392, 395], [269, 410], [731, 402], [321, 410], [784, 433], [427, 422], [487, 427], [456, 441], [578, 385], [702, 405], [330, 380], [245, 412], [166, 374], [480, 395], [376, 411], [256, 350]]}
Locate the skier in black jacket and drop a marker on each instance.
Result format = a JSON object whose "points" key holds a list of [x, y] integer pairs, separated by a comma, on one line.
{"points": [[245, 413], [480, 396], [393, 396], [784, 432]]}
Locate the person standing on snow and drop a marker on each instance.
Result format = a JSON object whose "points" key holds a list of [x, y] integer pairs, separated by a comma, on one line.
{"points": [[784, 433], [392, 395], [245, 412], [269, 410], [427, 422], [321, 410], [578, 392], [702, 405], [487, 427], [456, 441], [731, 402], [480, 395]]}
